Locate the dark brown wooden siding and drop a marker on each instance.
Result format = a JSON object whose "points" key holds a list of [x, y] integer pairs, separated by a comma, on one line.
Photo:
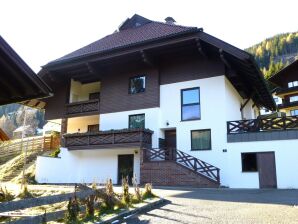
{"points": [[189, 68], [55, 106], [114, 96]]}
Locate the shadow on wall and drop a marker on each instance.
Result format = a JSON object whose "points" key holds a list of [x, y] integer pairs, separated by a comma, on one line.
{"points": [[263, 196]]}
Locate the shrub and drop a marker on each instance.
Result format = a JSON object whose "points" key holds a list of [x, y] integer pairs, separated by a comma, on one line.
{"points": [[5, 195], [138, 194], [56, 153], [90, 207], [72, 213], [148, 192], [25, 192], [125, 191]]}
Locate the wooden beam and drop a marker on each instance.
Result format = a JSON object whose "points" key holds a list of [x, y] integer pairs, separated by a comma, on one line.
{"points": [[146, 59], [91, 68], [222, 57], [199, 47]]}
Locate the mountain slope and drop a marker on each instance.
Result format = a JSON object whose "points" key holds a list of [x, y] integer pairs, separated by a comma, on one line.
{"points": [[275, 52]]}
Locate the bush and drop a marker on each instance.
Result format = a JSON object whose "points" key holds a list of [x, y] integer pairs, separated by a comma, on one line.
{"points": [[137, 198], [5, 195], [148, 192], [125, 192], [56, 153], [72, 213], [25, 192]]}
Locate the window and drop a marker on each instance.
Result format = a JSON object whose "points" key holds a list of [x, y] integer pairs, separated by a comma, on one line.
{"points": [[137, 84], [93, 128], [137, 121], [249, 162], [190, 104], [294, 112], [293, 98], [94, 96], [201, 139], [292, 84]]}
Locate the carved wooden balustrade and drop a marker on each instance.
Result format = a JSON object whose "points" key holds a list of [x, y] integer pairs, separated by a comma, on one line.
{"points": [[264, 124], [82, 107], [184, 159], [105, 139]]}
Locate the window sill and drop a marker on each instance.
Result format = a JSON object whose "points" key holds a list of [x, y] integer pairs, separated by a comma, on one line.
{"points": [[200, 149], [197, 119]]}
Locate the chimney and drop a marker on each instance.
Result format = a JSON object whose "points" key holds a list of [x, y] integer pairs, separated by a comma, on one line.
{"points": [[170, 20]]}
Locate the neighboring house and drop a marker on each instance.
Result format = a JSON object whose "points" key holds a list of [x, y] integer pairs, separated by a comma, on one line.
{"points": [[287, 81], [127, 101], [26, 131], [18, 82], [3, 136]]}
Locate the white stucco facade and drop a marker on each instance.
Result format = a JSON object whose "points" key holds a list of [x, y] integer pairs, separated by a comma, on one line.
{"points": [[219, 103], [286, 155], [84, 166]]}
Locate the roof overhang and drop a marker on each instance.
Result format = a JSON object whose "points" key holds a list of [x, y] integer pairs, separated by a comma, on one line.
{"points": [[18, 82], [245, 74]]}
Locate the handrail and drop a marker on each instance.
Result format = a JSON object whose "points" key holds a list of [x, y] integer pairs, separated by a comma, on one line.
{"points": [[170, 154]]}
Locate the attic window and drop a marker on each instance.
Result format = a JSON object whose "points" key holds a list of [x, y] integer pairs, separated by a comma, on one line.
{"points": [[292, 84], [138, 24]]}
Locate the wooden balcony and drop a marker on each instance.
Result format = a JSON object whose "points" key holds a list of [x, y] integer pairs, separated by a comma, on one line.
{"points": [[88, 107], [123, 138], [265, 129], [287, 104]]}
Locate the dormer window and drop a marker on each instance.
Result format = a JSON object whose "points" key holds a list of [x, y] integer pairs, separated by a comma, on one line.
{"points": [[137, 84], [292, 84]]}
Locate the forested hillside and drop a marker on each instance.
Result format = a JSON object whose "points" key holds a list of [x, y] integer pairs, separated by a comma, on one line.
{"points": [[12, 117], [274, 53]]}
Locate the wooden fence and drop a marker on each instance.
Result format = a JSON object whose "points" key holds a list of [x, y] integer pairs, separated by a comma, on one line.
{"points": [[7, 209], [40, 143]]}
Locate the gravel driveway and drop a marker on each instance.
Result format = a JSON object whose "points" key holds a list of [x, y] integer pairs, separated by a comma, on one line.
{"points": [[223, 206]]}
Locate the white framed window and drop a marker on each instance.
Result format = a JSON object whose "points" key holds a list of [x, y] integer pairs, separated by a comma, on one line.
{"points": [[292, 84], [294, 112], [293, 99]]}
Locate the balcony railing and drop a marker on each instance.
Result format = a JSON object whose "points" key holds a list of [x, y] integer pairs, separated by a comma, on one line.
{"points": [[105, 139], [82, 107], [262, 125], [286, 104], [287, 90]]}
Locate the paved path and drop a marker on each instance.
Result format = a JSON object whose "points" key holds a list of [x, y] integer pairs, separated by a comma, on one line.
{"points": [[223, 206]]}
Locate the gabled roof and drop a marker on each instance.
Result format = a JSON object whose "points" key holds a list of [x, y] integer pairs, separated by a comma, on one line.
{"points": [[278, 77], [136, 30], [18, 82], [140, 34]]}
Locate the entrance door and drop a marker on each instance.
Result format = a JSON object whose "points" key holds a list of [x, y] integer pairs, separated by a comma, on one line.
{"points": [[170, 144], [266, 168], [170, 139], [125, 167]]}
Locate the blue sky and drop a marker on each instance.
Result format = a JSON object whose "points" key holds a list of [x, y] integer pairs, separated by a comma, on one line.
{"points": [[43, 30]]}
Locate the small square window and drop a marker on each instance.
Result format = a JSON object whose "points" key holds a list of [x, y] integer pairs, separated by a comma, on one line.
{"points": [[201, 139], [137, 84], [249, 162], [137, 121]]}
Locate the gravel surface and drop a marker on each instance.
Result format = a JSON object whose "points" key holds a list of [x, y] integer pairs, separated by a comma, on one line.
{"points": [[223, 206]]}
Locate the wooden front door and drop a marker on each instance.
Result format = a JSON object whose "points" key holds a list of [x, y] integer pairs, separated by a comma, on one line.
{"points": [[170, 139], [125, 167], [267, 170]]}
